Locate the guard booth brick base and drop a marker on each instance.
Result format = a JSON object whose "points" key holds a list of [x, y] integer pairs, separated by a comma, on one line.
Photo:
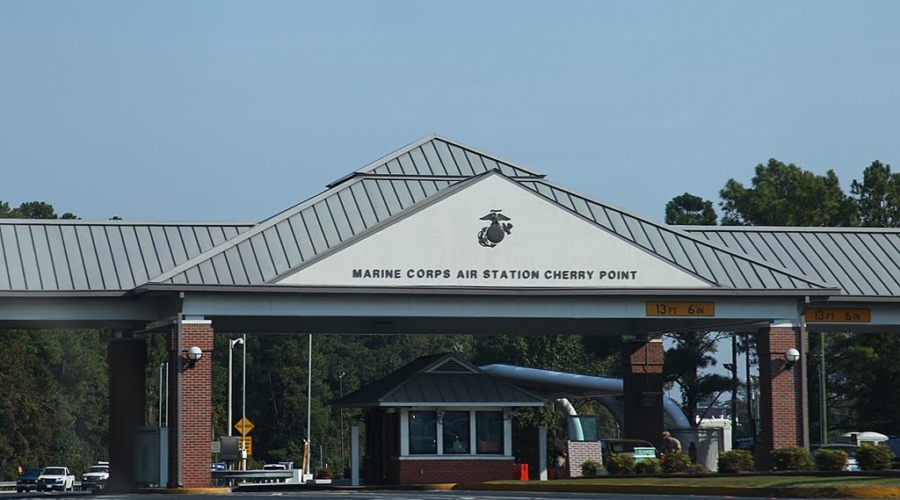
{"points": [[454, 471]]}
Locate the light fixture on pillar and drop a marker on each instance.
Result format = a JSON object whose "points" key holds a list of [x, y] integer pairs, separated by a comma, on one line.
{"points": [[194, 354], [791, 356]]}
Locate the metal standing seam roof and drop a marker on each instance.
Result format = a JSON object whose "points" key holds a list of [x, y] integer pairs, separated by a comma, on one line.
{"points": [[115, 256], [110, 256], [364, 202], [864, 262], [440, 379], [308, 230], [720, 265], [436, 156]]}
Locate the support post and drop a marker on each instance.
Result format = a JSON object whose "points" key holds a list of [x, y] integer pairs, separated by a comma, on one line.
{"points": [[127, 399], [781, 411], [823, 414], [643, 390], [542, 452], [191, 390], [354, 454]]}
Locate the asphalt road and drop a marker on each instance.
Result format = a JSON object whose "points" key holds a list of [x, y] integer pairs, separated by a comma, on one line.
{"points": [[376, 495]]}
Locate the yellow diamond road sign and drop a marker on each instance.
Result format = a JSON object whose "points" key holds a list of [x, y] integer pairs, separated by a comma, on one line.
{"points": [[244, 426]]}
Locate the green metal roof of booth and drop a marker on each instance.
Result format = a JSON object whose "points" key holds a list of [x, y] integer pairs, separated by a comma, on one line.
{"points": [[440, 380]]}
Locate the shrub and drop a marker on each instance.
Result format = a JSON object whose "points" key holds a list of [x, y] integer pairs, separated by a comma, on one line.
{"points": [[793, 458], [325, 473], [736, 461], [648, 466], [874, 457], [589, 467], [699, 468], [830, 459], [676, 462], [620, 464]]}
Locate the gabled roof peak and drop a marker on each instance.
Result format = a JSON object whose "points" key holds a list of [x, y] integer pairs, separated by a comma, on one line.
{"points": [[434, 156]]}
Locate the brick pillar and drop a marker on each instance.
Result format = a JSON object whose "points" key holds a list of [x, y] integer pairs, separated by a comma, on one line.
{"points": [[781, 405], [643, 390], [127, 402], [190, 405]]}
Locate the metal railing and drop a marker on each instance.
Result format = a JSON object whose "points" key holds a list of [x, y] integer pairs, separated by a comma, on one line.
{"points": [[11, 485], [251, 476]]}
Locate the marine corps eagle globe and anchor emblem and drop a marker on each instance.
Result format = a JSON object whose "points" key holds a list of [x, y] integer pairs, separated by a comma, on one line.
{"points": [[491, 236]]}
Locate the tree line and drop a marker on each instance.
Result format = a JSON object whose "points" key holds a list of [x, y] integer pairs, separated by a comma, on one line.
{"points": [[863, 379], [54, 383]]}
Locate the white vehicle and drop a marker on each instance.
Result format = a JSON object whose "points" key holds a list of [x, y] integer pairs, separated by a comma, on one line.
{"points": [[56, 478], [96, 477]]}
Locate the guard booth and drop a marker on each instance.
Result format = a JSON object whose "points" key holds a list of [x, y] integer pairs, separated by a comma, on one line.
{"points": [[438, 419]]}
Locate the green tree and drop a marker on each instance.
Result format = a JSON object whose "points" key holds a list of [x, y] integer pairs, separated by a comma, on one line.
{"points": [[868, 375], [32, 210], [878, 196], [54, 398], [689, 210], [786, 195], [693, 352]]}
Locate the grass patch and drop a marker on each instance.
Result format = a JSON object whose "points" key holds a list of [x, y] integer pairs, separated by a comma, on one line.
{"points": [[733, 481]]}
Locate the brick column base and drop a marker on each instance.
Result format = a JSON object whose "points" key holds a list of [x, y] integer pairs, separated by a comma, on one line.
{"points": [[643, 390], [781, 405], [579, 453], [189, 453]]}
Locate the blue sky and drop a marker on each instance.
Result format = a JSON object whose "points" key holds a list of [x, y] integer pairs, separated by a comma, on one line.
{"points": [[222, 110]]}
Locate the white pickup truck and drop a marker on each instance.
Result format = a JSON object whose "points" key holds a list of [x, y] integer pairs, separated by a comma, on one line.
{"points": [[56, 478]]}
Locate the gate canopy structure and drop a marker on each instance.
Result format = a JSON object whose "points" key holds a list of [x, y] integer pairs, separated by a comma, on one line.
{"points": [[438, 237]]}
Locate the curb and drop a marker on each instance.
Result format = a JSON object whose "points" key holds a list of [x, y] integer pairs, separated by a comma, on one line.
{"points": [[788, 492], [867, 492], [190, 491]]}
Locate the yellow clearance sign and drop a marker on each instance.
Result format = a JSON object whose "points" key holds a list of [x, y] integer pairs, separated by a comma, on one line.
{"points": [[838, 315], [681, 308], [246, 441]]}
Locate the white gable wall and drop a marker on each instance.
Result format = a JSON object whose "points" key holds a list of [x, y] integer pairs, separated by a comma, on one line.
{"points": [[439, 246]]}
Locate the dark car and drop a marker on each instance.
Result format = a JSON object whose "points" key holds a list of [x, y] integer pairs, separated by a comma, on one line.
{"points": [[626, 447], [27, 480]]}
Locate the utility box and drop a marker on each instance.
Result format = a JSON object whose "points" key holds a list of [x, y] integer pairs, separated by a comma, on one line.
{"points": [[151, 456], [230, 448]]}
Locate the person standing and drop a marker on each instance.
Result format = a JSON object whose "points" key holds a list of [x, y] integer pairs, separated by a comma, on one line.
{"points": [[560, 452], [670, 443]]}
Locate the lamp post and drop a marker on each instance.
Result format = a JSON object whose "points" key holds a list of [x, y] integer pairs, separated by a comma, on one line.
{"points": [[244, 407], [309, 408], [231, 344], [732, 367], [341, 409], [750, 392]]}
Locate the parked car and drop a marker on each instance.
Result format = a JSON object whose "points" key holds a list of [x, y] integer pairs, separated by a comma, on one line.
{"points": [[624, 447], [27, 480], [850, 449], [96, 477], [56, 478]]}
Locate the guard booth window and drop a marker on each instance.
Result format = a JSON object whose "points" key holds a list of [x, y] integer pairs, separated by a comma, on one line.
{"points": [[489, 431], [422, 433], [455, 427]]}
